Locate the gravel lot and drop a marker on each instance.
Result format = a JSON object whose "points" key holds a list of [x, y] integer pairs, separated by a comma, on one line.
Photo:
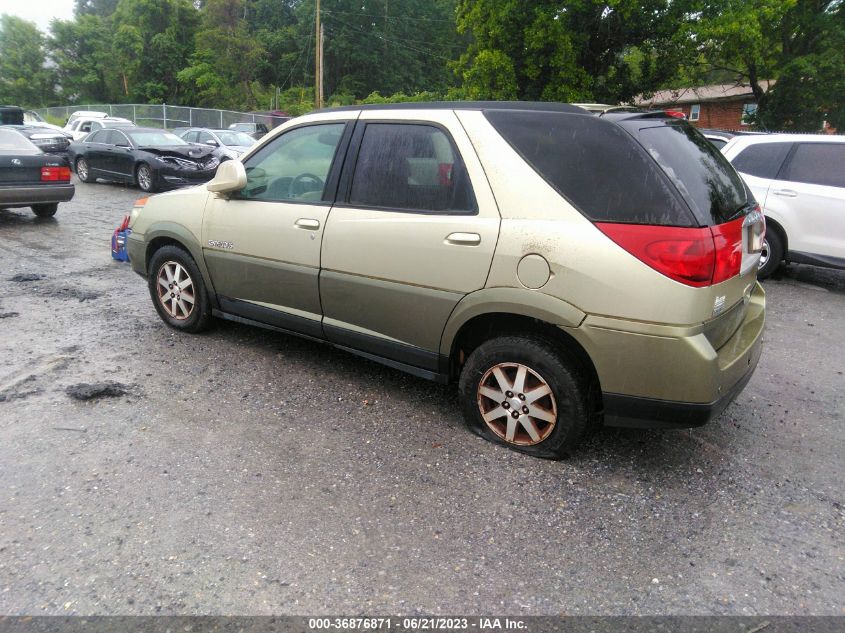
{"points": [[248, 472]]}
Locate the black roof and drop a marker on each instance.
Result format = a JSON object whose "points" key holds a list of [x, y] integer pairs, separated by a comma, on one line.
{"points": [[540, 106]]}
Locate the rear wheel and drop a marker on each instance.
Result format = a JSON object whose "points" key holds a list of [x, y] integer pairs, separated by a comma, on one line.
{"points": [[178, 291], [144, 176], [45, 210], [83, 171], [525, 393], [771, 255]]}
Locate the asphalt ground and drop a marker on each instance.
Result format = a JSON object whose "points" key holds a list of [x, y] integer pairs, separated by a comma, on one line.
{"points": [[249, 472]]}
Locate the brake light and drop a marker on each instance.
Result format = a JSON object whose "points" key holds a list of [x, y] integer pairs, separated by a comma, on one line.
{"points": [[55, 174], [677, 114], [695, 257], [727, 239]]}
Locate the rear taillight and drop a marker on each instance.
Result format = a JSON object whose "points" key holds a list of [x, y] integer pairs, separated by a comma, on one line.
{"points": [[54, 174], [696, 257]]}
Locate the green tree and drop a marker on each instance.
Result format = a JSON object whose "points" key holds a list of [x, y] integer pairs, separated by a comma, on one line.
{"points": [[24, 80], [81, 53], [579, 50], [788, 51], [165, 29]]}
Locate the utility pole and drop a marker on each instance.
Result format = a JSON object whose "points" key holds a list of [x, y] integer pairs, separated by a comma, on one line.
{"points": [[318, 61]]}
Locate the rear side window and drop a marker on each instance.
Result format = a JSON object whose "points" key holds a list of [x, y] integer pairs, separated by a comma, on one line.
{"points": [[594, 164], [410, 166], [705, 178], [98, 137], [817, 164], [762, 159]]}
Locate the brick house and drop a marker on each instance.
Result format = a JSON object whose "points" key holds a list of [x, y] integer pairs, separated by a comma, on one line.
{"points": [[723, 106]]}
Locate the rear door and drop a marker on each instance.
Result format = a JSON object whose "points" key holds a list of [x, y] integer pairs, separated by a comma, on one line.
{"points": [[413, 232], [811, 189], [262, 245]]}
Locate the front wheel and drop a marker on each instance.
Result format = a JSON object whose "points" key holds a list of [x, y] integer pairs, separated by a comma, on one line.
{"points": [[145, 178], [45, 210], [525, 393], [178, 291], [771, 255], [83, 170]]}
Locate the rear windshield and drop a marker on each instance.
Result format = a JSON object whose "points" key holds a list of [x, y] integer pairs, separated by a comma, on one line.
{"points": [[11, 141], [596, 165], [706, 180]]}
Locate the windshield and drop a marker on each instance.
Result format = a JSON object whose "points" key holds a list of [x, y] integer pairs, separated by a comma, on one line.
{"points": [[235, 138], [147, 138], [703, 176], [11, 141]]}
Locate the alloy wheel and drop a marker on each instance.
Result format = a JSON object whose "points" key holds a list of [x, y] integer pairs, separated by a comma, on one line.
{"points": [[517, 404], [145, 178], [82, 169], [175, 290]]}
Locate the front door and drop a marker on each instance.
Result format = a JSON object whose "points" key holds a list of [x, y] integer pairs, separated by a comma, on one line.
{"points": [[413, 232], [262, 245]]}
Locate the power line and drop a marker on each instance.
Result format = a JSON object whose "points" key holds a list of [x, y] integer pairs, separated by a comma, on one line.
{"points": [[386, 17], [391, 41]]}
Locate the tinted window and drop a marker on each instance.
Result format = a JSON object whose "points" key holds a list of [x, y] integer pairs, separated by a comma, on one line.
{"points": [[408, 166], [118, 138], [295, 166], [595, 165], [706, 180], [817, 164], [97, 137], [762, 160], [718, 143]]}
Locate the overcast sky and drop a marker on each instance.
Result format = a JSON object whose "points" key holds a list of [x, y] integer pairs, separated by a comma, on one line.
{"points": [[38, 11]]}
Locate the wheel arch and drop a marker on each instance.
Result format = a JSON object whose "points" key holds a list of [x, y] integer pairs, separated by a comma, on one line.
{"points": [[498, 311], [176, 235]]}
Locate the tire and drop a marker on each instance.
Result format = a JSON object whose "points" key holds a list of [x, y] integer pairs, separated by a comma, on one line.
{"points": [[45, 210], [83, 170], [772, 254], [566, 409], [173, 264], [145, 178]]}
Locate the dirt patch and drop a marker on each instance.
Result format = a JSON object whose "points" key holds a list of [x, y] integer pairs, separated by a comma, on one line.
{"points": [[72, 293], [8, 315], [93, 391], [24, 277]]}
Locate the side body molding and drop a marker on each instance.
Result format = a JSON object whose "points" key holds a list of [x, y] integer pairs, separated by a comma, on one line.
{"points": [[524, 302]]}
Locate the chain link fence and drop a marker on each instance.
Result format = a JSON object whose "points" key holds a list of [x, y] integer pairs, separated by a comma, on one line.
{"points": [[168, 116]]}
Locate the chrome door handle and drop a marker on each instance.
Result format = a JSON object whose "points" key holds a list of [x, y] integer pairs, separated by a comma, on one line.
{"points": [[786, 193], [463, 239], [307, 224]]}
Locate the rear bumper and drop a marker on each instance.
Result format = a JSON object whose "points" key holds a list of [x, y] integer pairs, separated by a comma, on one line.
{"points": [[28, 195], [672, 377], [634, 412]]}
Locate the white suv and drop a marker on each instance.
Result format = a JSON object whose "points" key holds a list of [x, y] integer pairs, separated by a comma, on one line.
{"points": [[799, 181]]}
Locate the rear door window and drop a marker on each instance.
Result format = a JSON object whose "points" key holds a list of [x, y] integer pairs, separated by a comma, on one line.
{"points": [[817, 164], [410, 167], [763, 160]]}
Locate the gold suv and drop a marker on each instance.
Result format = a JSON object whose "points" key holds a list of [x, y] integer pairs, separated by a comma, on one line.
{"points": [[564, 269]]}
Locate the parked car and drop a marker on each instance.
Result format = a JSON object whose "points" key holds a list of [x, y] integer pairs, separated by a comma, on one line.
{"points": [[48, 140], [229, 144], [32, 119], [84, 114], [151, 158], [799, 180], [11, 115], [82, 127], [255, 130], [31, 178], [561, 268]]}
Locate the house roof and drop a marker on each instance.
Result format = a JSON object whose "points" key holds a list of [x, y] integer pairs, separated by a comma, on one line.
{"points": [[697, 94]]}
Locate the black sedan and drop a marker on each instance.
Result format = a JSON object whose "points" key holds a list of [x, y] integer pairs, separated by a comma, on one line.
{"points": [[31, 178], [152, 158], [48, 140]]}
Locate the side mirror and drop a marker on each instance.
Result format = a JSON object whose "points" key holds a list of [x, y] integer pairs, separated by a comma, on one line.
{"points": [[230, 176], [212, 142]]}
